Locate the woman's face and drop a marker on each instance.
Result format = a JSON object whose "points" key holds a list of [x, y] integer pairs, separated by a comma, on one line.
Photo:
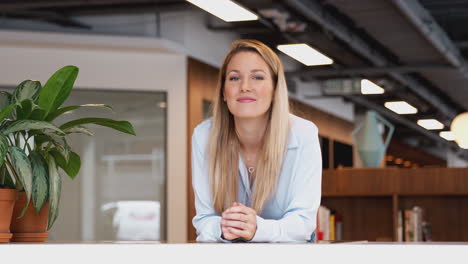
{"points": [[248, 87]]}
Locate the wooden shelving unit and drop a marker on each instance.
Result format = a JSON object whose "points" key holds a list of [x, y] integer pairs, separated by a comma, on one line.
{"points": [[369, 199]]}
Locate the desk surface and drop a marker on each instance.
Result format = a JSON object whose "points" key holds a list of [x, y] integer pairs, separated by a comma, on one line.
{"points": [[284, 253]]}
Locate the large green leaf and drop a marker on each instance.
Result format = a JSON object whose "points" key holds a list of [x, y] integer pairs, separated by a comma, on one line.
{"points": [[59, 142], [57, 89], [22, 167], [5, 112], [60, 111], [24, 109], [23, 125], [9, 181], [5, 99], [55, 189], [37, 114], [72, 167], [123, 126], [40, 187], [78, 129], [27, 90], [41, 139], [3, 149]]}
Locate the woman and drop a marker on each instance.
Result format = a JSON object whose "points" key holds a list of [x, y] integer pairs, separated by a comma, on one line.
{"points": [[256, 168]]}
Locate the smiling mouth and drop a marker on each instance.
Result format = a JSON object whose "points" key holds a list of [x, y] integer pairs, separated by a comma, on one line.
{"points": [[246, 100]]}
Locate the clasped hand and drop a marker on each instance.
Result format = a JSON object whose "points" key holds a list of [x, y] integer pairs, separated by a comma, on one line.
{"points": [[239, 221]]}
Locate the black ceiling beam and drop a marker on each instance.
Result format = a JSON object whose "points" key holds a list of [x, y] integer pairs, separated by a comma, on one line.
{"points": [[431, 30], [48, 16], [65, 4], [83, 7], [315, 12], [462, 44], [131, 8], [312, 72]]}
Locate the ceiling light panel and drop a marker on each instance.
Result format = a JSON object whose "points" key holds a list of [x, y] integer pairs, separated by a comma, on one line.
{"points": [[305, 54], [448, 135], [226, 10], [368, 87], [401, 107], [430, 124]]}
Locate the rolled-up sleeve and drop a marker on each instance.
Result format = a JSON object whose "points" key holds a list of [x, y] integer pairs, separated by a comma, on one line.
{"points": [[299, 221], [206, 222]]}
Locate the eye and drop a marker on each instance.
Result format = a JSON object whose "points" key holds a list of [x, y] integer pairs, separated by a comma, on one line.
{"points": [[258, 78], [234, 78]]}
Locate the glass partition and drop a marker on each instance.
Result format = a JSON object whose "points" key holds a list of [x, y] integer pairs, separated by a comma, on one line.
{"points": [[120, 192]]}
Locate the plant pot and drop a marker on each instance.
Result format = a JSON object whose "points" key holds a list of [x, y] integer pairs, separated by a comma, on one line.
{"points": [[31, 227], [7, 202]]}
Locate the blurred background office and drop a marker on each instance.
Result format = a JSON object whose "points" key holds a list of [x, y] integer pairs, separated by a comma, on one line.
{"points": [[382, 79]]}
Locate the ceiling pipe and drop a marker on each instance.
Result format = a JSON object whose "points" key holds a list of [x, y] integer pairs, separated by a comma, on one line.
{"points": [[368, 70], [431, 30], [313, 11], [462, 44]]}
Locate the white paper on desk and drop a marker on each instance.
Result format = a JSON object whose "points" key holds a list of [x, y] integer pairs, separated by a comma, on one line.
{"points": [[137, 220]]}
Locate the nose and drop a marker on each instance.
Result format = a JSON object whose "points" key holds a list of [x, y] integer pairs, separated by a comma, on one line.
{"points": [[245, 87]]}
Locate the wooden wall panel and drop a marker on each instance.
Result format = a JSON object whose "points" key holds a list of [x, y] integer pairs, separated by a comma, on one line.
{"points": [[384, 181], [364, 218], [364, 182], [433, 181], [441, 192], [202, 80], [447, 215]]}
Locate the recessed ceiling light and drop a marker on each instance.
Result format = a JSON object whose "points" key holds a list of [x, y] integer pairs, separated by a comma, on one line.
{"points": [[448, 135], [305, 54], [228, 11], [401, 107], [430, 124], [463, 145], [368, 87]]}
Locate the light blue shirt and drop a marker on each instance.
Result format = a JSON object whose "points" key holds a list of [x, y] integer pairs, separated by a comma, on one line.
{"points": [[291, 214]]}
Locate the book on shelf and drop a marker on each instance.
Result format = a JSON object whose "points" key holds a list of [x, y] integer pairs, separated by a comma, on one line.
{"points": [[412, 226], [400, 227], [329, 225], [338, 228], [323, 223], [332, 226]]}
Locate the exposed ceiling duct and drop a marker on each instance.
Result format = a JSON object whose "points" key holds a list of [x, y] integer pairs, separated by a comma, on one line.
{"points": [[427, 25], [314, 11]]}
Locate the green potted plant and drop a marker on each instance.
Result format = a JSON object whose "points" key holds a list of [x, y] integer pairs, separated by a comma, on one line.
{"points": [[37, 151], [7, 195], [7, 187]]}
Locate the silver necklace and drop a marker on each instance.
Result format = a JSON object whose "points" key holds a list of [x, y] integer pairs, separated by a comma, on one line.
{"points": [[251, 169]]}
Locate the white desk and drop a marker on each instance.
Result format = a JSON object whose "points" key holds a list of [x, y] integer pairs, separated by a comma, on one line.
{"points": [[147, 252]]}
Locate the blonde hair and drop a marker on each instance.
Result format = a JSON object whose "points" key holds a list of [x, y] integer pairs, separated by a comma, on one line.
{"points": [[224, 145]]}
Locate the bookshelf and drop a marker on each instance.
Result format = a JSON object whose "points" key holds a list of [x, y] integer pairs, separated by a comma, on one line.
{"points": [[368, 200]]}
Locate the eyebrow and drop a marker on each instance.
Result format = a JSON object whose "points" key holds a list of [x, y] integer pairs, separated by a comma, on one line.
{"points": [[254, 70]]}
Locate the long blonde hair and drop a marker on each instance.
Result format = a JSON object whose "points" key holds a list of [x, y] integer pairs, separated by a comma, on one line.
{"points": [[224, 145]]}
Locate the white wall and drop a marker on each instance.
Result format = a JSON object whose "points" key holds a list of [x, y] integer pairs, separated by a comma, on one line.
{"points": [[123, 63], [189, 30]]}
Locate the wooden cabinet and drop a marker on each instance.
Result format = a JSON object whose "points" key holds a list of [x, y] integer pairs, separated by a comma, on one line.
{"points": [[368, 200]]}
